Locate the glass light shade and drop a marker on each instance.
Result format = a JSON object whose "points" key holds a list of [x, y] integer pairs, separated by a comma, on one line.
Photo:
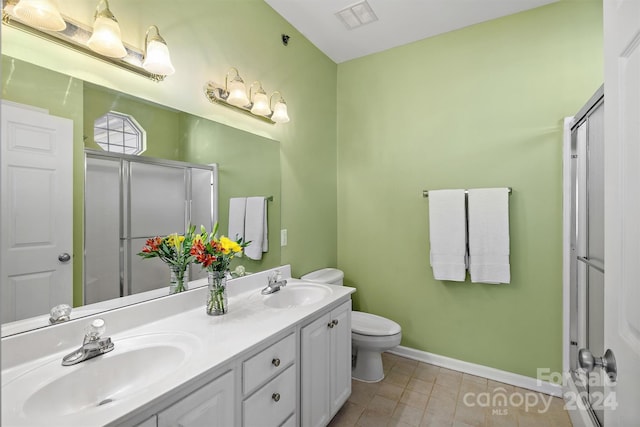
{"points": [[157, 59], [106, 38], [237, 93], [261, 104], [42, 14], [280, 113]]}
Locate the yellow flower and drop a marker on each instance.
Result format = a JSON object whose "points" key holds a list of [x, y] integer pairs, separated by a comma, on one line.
{"points": [[175, 240], [229, 245]]}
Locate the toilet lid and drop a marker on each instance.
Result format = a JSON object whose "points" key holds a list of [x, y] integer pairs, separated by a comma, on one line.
{"points": [[370, 324]]}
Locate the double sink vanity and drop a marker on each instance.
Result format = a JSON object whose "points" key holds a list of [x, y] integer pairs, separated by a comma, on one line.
{"points": [[282, 359]]}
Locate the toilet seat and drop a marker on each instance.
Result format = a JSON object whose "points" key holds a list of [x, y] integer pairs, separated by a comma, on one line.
{"points": [[372, 325]]}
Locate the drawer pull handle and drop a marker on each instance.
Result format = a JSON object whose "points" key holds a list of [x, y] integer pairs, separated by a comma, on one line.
{"points": [[275, 362], [275, 397]]}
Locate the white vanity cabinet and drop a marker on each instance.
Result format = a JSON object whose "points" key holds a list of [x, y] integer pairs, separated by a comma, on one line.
{"points": [[212, 405], [259, 365], [269, 385], [325, 351]]}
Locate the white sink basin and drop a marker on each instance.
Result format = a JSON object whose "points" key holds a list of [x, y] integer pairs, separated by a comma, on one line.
{"points": [[297, 294], [135, 365]]}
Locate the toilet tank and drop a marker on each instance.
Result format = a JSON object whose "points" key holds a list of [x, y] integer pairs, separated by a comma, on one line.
{"points": [[332, 276]]}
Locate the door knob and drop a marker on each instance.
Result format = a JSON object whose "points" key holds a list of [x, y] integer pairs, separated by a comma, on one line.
{"points": [[64, 257], [607, 362]]}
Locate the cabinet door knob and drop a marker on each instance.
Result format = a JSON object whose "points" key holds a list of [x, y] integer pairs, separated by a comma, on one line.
{"points": [[331, 324], [276, 362], [335, 322], [275, 397]]}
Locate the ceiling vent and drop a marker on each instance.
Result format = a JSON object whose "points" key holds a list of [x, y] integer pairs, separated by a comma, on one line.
{"points": [[357, 15]]}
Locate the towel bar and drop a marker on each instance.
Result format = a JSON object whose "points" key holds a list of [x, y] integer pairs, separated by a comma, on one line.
{"points": [[425, 193]]}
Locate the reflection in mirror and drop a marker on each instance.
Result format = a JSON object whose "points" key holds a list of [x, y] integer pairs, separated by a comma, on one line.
{"points": [[130, 199], [248, 165], [119, 133]]}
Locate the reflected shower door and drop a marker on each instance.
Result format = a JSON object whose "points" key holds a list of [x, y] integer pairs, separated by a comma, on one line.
{"points": [[130, 199]]}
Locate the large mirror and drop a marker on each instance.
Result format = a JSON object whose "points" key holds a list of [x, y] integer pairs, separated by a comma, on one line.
{"points": [[247, 164]]}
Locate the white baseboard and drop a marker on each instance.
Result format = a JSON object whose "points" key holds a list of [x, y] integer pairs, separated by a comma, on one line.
{"points": [[480, 370]]}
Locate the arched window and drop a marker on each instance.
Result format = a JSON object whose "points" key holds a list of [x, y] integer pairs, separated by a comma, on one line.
{"points": [[119, 133]]}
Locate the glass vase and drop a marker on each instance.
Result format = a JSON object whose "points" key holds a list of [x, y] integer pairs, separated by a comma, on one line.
{"points": [[217, 303], [179, 281]]}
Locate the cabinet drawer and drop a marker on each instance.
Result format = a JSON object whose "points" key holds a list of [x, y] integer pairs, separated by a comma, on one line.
{"points": [[273, 403], [268, 363]]}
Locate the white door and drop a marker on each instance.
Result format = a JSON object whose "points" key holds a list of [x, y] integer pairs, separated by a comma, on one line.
{"points": [[36, 194], [622, 205]]}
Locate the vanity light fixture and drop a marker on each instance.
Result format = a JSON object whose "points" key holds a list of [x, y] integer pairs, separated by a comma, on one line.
{"points": [[234, 94], [156, 54], [280, 114], [42, 14], [236, 90], [102, 42], [106, 39], [260, 101]]}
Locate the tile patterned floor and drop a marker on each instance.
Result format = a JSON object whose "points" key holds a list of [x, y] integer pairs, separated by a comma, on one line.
{"points": [[418, 394]]}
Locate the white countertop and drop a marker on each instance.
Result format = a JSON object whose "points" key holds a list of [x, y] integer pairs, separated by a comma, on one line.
{"points": [[218, 340]]}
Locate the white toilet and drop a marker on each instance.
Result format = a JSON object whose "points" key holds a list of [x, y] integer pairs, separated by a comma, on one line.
{"points": [[370, 334]]}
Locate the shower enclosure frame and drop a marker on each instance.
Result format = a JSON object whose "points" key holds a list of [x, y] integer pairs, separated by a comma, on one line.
{"points": [[576, 229], [126, 252]]}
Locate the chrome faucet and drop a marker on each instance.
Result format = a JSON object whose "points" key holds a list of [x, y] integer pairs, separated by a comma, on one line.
{"points": [[93, 345], [275, 283], [60, 313]]}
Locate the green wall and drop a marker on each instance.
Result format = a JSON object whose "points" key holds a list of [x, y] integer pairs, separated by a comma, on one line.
{"points": [[478, 107], [161, 125]]}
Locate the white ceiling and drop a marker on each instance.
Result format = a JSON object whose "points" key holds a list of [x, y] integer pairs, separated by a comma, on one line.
{"points": [[399, 21]]}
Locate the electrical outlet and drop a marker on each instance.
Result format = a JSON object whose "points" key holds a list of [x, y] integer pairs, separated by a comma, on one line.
{"points": [[283, 237]]}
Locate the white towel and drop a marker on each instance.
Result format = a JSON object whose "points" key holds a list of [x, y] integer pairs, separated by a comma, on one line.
{"points": [[255, 227], [448, 234], [489, 235], [237, 209]]}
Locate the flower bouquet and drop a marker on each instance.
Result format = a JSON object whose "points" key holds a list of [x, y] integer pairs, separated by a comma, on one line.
{"points": [[175, 251], [215, 255]]}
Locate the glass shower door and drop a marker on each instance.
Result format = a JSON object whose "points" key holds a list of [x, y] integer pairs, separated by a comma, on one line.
{"points": [[587, 254], [130, 199], [157, 197], [102, 207]]}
